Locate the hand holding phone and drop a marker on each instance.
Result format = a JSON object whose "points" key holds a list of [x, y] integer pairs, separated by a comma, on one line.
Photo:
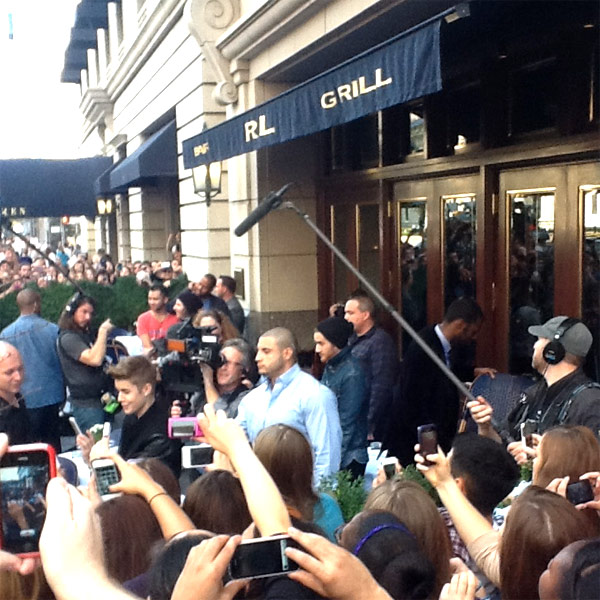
{"points": [[389, 465], [262, 557], [428, 441], [107, 474], [24, 474], [580, 492]]}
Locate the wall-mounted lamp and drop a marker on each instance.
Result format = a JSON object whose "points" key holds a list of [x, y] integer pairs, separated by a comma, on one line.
{"points": [[207, 180], [104, 205]]}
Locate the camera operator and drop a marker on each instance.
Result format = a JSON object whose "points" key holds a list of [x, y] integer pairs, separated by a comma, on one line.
{"points": [[226, 390], [81, 358]]}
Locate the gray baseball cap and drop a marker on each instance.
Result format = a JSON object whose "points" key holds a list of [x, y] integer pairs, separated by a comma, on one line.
{"points": [[576, 340]]}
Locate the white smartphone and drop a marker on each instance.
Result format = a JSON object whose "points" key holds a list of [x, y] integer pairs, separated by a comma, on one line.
{"points": [[106, 473], [196, 456], [389, 466]]}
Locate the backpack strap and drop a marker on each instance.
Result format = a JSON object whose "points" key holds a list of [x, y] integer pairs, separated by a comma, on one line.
{"points": [[562, 415]]}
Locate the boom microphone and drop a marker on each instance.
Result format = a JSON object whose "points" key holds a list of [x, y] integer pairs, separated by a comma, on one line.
{"points": [[273, 200]]}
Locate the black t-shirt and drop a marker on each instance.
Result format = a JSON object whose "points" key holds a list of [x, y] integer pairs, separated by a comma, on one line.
{"points": [[14, 421], [84, 382]]}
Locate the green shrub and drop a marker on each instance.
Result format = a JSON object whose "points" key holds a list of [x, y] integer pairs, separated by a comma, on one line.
{"points": [[411, 473], [122, 302], [350, 494]]}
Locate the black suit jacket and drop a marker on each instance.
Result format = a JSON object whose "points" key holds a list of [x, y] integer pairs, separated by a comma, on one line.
{"points": [[423, 394]]}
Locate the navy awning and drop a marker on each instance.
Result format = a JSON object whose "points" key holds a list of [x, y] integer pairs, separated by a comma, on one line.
{"points": [[102, 187], [399, 70], [155, 158], [49, 188]]}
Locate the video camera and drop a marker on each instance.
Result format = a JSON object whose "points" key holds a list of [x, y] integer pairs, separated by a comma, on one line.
{"points": [[180, 357]]}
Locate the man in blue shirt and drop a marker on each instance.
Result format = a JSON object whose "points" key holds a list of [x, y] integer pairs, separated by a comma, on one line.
{"points": [[288, 395], [43, 387], [345, 377]]}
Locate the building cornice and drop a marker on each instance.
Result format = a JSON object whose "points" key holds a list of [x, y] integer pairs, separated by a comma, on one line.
{"points": [[260, 29]]}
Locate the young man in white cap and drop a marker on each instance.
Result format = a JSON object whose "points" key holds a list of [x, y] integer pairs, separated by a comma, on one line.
{"points": [[564, 395]]}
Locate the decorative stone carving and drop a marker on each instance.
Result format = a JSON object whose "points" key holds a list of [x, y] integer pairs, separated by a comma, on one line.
{"points": [[207, 20]]}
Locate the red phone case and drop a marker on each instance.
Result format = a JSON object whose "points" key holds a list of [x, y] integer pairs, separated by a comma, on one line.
{"points": [[38, 447]]}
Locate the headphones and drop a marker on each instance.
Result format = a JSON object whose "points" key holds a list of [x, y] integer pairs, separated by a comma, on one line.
{"points": [[75, 302], [554, 351]]}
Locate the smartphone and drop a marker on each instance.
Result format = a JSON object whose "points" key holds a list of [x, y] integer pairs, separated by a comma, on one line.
{"points": [[427, 438], [389, 466], [24, 474], [75, 426], [262, 557], [197, 456], [183, 427], [528, 428], [106, 473], [580, 492]]}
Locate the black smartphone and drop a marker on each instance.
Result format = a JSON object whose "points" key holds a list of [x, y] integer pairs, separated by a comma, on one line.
{"points": [[580, 492], [106, 473], [262, 557], [24, 474], [428, 441]]}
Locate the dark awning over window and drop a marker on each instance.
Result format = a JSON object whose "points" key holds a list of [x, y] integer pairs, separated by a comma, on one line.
{"points": [[401, 69], [50, 188], [155, 158], [102, 187]]}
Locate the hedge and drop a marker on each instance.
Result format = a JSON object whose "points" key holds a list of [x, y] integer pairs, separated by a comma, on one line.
{"points": [[122, 302]]}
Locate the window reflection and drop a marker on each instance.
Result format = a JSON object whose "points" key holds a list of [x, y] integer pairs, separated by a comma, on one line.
{"points": [[459, 246], [368, 242], [531, 270], [417, 129], [412, 245], [590, 297]]}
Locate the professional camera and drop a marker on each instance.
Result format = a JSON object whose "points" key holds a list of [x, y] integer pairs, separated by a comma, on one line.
{"points": [[181, 356]]}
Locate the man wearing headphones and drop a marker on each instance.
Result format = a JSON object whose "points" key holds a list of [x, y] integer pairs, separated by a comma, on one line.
{"points": [[82, 358], [564, 395]]}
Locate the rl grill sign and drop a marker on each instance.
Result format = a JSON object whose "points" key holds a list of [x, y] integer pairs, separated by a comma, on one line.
{"points": [[400, 70]]}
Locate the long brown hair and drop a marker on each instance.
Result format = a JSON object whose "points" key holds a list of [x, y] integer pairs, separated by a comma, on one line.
{"points": [[216, 502], [129, 531], [539, 525], [287, 456], [413, 506], [566, 450]]}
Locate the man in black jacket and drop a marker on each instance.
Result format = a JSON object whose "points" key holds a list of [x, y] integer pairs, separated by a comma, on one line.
{"points": [[564, 395], [424, 394], [144, 432]]}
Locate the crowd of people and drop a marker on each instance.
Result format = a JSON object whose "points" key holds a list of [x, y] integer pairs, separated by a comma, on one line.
{"points": [[276, 431], [63, 262]]}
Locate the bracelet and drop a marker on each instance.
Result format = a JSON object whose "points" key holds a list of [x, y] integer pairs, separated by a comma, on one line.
{"points": [[155, 496]]}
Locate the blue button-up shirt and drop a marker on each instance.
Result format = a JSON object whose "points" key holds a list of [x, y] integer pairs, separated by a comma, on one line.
{"points": [[297, 399], [35, 339]]}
